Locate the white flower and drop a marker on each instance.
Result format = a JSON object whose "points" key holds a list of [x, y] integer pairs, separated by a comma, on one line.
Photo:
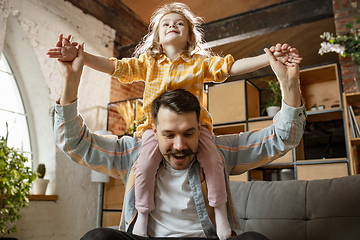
{"points": [[328, 36], [327, 47]]}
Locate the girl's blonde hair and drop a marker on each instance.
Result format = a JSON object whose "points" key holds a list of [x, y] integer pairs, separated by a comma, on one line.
{"points": [[150, 43]]}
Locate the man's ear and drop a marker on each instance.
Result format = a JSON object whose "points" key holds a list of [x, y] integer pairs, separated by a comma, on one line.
{"points": [[155, 131], [199, 126]]}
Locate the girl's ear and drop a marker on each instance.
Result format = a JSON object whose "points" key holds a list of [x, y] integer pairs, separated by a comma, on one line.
{"points": [[191, 39]]}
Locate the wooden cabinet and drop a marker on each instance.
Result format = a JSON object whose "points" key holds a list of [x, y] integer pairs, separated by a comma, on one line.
{"points": [[353, 100], [323, 151], [113, 197]]}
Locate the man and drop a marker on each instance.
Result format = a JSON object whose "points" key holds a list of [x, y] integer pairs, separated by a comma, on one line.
{"points": [[180, 195]]}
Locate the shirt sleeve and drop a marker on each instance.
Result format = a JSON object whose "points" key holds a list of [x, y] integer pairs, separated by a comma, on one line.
{"points": [[110, 156], [129, 70], [218, 68], [248, 150]]}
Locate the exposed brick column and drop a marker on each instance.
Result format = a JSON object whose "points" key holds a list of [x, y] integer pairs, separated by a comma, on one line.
{"points": [[122, 91], [344, 12]]}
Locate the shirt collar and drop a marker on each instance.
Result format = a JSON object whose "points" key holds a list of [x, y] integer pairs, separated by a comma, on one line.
{"points": [[183, 56], [163, 58]]}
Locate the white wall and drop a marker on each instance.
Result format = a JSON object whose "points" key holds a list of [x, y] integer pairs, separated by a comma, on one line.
{"points": [[27, 29]]}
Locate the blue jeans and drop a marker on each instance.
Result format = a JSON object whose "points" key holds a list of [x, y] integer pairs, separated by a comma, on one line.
{"points": [[113, 234]]}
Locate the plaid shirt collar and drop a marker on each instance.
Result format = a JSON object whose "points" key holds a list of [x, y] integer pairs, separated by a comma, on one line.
{"points": [[183, 56]]}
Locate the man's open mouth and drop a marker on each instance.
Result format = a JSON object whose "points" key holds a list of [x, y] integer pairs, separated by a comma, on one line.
{"points": [[180, 154]]}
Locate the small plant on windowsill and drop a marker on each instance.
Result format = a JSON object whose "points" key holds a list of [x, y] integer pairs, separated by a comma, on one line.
{"points": [[273, 102], [40, 184], [15, 182]]}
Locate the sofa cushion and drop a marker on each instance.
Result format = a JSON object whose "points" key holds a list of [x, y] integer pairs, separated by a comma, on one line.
{"points": [[337, 197], [298, 209], [333, 207]]}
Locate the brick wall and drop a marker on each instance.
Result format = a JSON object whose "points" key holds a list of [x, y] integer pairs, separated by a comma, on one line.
{"points": [[27, 29], [344, 12], [122, 91]]}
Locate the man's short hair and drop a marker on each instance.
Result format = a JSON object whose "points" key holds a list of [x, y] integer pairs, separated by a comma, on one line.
{"points": [[179, 101]]}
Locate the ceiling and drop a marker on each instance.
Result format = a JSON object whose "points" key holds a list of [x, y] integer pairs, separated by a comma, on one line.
{"points": [[291, 23], [210, 10]]}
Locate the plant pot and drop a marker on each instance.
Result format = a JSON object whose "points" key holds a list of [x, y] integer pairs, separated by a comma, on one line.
{"points": [[271, 111], [39, 186]]}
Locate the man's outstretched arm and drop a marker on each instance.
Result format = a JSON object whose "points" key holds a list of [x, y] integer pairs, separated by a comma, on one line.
{"points": [[71, 74]]}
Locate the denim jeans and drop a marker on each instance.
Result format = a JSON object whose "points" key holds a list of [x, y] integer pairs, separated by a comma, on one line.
{"points": [[113, 234]]}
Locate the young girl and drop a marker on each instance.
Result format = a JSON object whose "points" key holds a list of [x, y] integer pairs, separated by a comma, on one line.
{"points": [[171, 57]]}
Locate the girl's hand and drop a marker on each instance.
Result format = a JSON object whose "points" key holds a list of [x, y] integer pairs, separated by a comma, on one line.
{"points": [[73, 69], [64, 51], [286, 54]]}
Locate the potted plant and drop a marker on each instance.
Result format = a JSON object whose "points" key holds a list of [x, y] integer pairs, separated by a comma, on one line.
{"points": [[40, 184], [345, 45], [273, 100], [15, 182], [133, 115]]}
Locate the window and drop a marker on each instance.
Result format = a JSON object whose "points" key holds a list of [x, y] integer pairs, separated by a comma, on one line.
{"points": [[12, 111]]}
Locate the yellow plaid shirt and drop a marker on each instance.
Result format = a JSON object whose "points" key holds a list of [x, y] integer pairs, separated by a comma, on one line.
{"points": [[160, 75]]}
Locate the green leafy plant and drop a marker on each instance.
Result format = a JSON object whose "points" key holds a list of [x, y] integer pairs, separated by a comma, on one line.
{"points": [[274, 97], [343, 44], [15, 183]]}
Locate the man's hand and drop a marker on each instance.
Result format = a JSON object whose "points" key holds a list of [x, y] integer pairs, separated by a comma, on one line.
{"points": [[71, 72], [64, 51], [74, 68], [288, 76], [286, 54]]}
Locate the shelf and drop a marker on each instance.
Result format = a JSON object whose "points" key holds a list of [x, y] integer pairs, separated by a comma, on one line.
{"points": [[321, 161], [229, 129], [257, 119], [321, 86], [355, 141], [43, 197], [321, 171], [353, 98], [110, 219], [324, 115], [278, 165], [234, 102], [236, 107]]}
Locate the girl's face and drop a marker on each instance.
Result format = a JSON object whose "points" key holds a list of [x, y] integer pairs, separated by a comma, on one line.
{"points": [[173, 30]]}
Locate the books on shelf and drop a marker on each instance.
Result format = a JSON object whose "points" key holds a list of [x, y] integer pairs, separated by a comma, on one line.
{"points": [[354, 123]]}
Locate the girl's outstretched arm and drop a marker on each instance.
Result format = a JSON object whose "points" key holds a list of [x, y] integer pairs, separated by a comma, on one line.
{"points": [[66, 51], [282, 52]]}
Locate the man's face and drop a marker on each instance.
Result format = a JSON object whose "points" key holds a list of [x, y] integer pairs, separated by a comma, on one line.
{"points": [[178, 137]]}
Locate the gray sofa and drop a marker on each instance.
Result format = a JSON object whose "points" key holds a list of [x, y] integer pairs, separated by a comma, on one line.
{"points": [[298, 210]]}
